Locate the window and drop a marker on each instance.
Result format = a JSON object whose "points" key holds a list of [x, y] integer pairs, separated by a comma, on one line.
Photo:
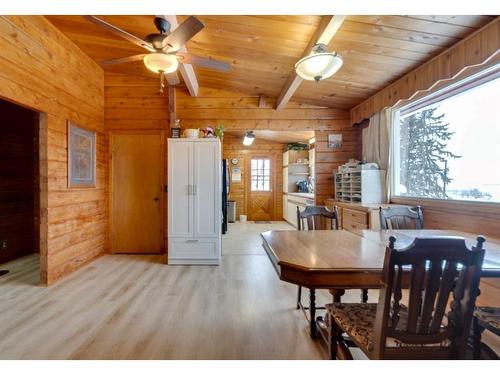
{"points": [[260, 174], [448, 146]]}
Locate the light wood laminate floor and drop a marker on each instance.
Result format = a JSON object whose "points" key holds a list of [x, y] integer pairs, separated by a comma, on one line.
{"points": [[134, 307]]}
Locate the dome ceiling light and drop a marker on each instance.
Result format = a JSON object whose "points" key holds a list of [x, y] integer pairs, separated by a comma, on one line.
{"points": [[161, 63], [319, 64], [249, 138]]}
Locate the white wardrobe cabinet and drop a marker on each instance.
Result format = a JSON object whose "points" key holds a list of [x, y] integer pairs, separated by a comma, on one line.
{"points": [[194, 201]]}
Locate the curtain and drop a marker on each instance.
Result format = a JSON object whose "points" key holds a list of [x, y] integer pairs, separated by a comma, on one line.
{"points": [[376, 143]]}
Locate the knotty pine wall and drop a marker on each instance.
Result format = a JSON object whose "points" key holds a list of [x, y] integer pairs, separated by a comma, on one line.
{"points": [[327, 160], [43, 70], [134, 103], [239, 111], [234, 149]]}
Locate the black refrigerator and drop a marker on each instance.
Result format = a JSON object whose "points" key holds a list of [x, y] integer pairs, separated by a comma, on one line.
{"points": [[225, 193]]}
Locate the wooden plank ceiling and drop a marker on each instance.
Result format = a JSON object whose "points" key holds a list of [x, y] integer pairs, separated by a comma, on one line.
{"points": [[263, 50]]}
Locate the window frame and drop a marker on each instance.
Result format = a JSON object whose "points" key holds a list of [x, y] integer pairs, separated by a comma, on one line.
{"points": [[262, 175], [455, 88]]}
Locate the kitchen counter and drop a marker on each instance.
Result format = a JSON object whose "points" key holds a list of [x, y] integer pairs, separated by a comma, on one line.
{"points": [[302, 195], [366, 207], [293, 200]]}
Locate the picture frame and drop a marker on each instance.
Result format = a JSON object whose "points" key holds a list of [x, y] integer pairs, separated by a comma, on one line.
{"points": [[335, 141], [81, 157]]}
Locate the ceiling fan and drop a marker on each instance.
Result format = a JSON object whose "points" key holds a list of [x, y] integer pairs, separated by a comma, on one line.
{"points": [[163, 47]]}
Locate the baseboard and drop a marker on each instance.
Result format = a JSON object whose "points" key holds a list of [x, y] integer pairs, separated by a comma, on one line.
{"points": [[197, 262]]}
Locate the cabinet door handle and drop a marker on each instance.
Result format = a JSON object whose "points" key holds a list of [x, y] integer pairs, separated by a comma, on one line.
{"points": [[195, 189], [156, 199], [191, 240]]}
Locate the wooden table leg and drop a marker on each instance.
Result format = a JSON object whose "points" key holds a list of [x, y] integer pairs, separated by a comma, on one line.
{"points": [[364, 295], [337, 294], [312, 313]]}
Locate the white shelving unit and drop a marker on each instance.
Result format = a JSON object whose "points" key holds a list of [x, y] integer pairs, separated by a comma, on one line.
{"points": [[360, 186], [293, 170]]}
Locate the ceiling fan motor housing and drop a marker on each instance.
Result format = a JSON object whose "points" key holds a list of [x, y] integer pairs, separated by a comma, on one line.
{"points": [[162, 25], [156, 40]]}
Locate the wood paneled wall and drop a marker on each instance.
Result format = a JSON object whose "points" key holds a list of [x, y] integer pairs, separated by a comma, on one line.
{"points": [[19, 206], [234, 149], [239, 111], [478, 48], [134, 103], [327, 160], [41, 69]]}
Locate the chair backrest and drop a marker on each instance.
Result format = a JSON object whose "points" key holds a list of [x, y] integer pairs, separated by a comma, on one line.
{"points": [[401, 217], [435, 268], [317, 218]]}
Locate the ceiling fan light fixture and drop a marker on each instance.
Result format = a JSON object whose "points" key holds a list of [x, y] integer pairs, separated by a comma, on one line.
{"points": [[161, 62], [319, 64], [249, 138]]}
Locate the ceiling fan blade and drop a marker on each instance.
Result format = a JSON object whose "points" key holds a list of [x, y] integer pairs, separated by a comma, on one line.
{"points": [[183, 33], [121, 33], [189, 58], [122, 60], [173, 79]]}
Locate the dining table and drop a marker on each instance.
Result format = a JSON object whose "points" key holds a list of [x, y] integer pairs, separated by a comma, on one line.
{"points": [[339, 259]]}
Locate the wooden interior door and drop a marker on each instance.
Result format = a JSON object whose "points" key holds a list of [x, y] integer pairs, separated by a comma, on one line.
{"points": [[260, 188], [136, 189]]}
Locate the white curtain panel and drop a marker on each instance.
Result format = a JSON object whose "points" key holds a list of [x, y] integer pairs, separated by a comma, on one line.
{"points": [[376, 142]]}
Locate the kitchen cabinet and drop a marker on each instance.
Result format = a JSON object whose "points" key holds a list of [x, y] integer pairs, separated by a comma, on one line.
{"points": [[354, 216], [294, 200]]}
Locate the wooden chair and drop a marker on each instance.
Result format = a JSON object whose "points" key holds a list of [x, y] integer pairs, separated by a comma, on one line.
{"points": [[435, 269], [401, 218], [485, 318], [315, 218]]}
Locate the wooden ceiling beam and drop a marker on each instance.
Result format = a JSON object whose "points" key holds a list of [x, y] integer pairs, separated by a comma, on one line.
{"points": [[327, 28], [186, 70]]}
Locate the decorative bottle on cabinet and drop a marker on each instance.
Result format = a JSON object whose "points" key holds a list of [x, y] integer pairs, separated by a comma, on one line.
{"points": [[194, 201]]}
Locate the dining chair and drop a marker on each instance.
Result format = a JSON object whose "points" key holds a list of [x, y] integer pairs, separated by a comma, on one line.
{"points": [[401, 217], [436, 269], [315, 218], [485, 318]]}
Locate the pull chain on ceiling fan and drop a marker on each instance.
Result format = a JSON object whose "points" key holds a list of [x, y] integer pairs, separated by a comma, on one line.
{"points": [[163, 47]]}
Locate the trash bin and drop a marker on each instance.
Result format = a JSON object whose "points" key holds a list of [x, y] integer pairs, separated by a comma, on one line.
{"points": [[231, 211]]}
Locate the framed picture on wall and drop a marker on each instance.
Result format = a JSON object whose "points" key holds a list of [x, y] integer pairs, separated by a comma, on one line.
{"points": [[335, 141], [81, 157]]}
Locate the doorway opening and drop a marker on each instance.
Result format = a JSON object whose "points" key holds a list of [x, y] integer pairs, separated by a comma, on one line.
{"points": [[19, 188]]}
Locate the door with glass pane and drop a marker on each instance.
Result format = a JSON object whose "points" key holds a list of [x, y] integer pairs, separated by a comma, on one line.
{"points": [[260, 202]]}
